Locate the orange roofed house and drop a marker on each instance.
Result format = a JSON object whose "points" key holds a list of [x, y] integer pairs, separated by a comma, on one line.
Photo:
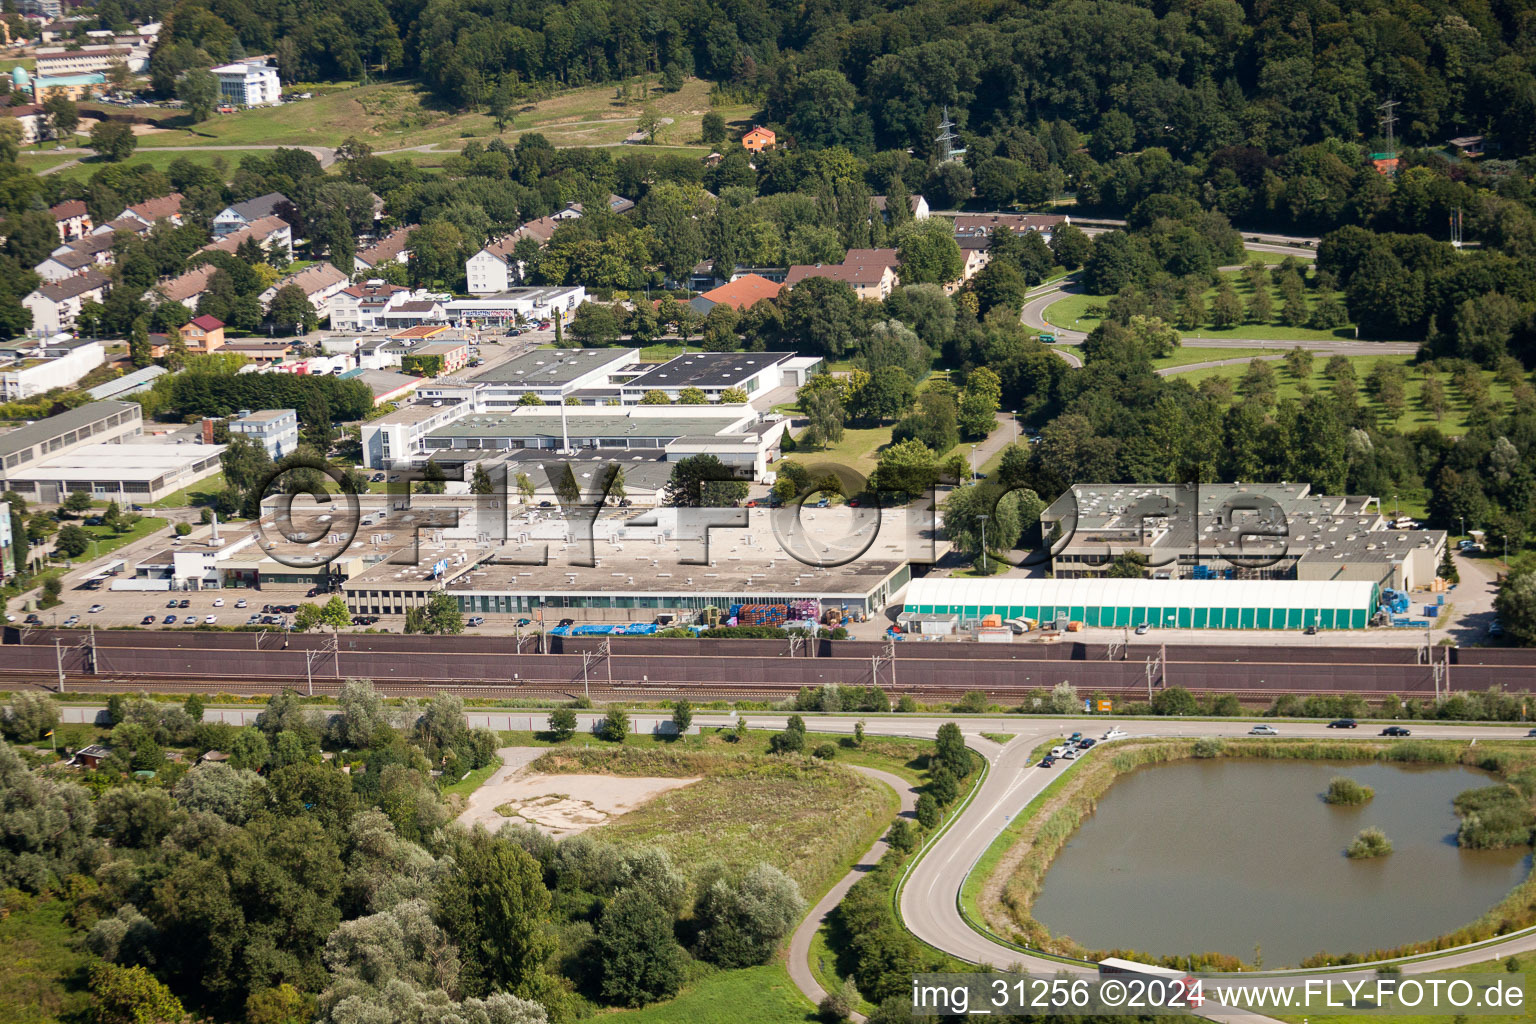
{"points": [[758, 139], [202, 334], [741, 293]]}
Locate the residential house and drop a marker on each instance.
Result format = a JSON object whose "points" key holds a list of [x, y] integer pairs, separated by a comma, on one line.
{"points": [[72, 219], [758, 139], [413, 312], [361, 306], [975, 252], [493, 269], [917, 204], [233, 218], [871, 273], [185, 288], [29, 118], [202, 334], [55, 305], [741, 294], [152, 211], [1467, 145], [271, 232], [392, 248], [989, 224], [68, 262], [262, 352], [318, 283], [253, 84]]}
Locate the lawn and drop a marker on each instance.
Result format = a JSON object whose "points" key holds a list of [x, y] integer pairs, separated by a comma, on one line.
{"points": [[228, 160], [761, 995], [43, 963], [1072, 312], [393, 116], [1187, 356], [108, 542], [1267, 257], [859, 449], [1414, 416], [197, 493], [39, 160]]}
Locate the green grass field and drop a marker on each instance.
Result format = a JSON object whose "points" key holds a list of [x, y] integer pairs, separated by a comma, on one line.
{"points": [[1414, 415], [228, 160], [1187, 356], [108, 542], [759, 995], [1072, 312], [203, 490], [392, 116]]}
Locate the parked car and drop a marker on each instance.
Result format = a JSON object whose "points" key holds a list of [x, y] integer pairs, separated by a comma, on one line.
{"points": [[1058, 750], [1070, 753], [1495, 628], [1343, 723], [1311, 630], [72, 620], [172, 603], [190, 620], [170, 620], [1395, 730], [253, 620], [148, 620], [475, 620], [33, 620], [1263, 730], [1141, 630], [96, 608], [218, 602], [94, 521], [525, 622], [240, 603], [184, 603], [210, 620], [1074, 737], [567, 622]]}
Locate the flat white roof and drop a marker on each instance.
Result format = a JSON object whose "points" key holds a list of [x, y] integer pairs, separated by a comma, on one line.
{"points": [[1133, 593], [121, 461]]}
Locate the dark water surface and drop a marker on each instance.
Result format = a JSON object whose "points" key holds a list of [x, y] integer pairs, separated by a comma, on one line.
{"points": [[1222, 855]]}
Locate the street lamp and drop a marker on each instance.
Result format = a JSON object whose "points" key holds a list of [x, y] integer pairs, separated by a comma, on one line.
{"points": [[973, 463], [983, 518]]}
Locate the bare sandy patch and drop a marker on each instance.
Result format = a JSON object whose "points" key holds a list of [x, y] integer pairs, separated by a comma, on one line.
{"points": [[149, 129], [557, 804]]}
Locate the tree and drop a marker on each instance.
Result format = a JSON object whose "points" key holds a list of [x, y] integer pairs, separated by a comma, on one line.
{"points": [[45, 827], [692, 396], [492, 904], [562, 723], [30, 716], [199, 90], [907, 467], [113, 140], [594, 325], [1010, 513], [480, 482], [712, 128], [740, 924], [824, 413], [63, 116], [1516, 605], [929, 253], [77, 502], [130, 995], [682, 716], [1226, 308], [641, 960], [1071, 246], [72, 541], [615, 726], [291, 306], [949, 750], [929, 813], [655, 397], [1175, 700], [703, 481], [650, 123]]}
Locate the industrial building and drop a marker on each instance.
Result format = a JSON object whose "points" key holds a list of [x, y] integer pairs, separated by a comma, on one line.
{"points": [[1276, 531], [553, 375], [33, 368], [94, 423], [717, 372], [276, 430], [117, 472], [1171, 604]]}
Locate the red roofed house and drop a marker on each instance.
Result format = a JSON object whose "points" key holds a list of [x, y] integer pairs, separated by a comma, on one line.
{"points": [[871, 273], [152, 211], [72, 219], [758, 139], [742, 293], [392, 248], [202, 334]]}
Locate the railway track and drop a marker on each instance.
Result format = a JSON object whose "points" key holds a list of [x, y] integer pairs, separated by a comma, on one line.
{"points": [[633, 691]]}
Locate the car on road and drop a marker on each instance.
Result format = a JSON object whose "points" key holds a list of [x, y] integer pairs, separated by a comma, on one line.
{"points": [[1070, 754], [1311, 630], [218, 602], [1058, 750], [1263, 730], [1395, 730], [93, 609], [210, 620], [1531, 734], [1343, 723], [1141, 630], [170, 620], [1048, 761], [190, 620], [567, 622], [1074, 737], [148, 620], [525, 622], [475, 620], [1086, 744], [240, 603], [1116, 733]]}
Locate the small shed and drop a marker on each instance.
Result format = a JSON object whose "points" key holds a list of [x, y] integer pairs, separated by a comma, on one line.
{"points": [[928, 623], [213, 757], [92, 756]]}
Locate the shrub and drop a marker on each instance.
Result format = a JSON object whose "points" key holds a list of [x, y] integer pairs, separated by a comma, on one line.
{"points": [[182, 529], [928, 812], [906, 705], [615, 725], [642, 961], [902, 836], [1493, 818], [1208, 747], [30, 716], [1175, 701], [824, 751], [1369, 842], [562, 723], [974, 702], [838, 1005], [1347, 792]]}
